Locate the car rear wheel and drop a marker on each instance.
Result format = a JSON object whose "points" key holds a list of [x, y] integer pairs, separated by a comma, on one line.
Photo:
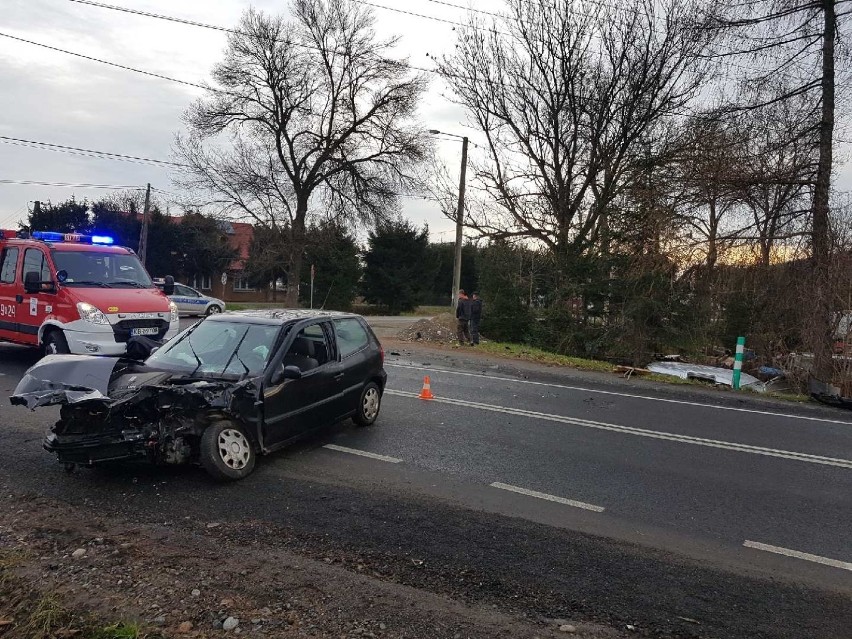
{"points": [[369, 406], [226, 453], [214, 309], [54, 343]]}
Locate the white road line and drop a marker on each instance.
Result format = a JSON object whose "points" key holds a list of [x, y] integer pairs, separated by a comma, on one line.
{"points": [[558, 500], [363, 453], [825, 561], [630, 395], [643, 432]]}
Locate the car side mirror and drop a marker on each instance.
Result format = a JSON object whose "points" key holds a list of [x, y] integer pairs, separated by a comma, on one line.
{"points": [[287, 372], [169, 285], [34, 284]]}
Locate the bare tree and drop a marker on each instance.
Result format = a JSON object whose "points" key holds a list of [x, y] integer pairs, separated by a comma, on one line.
{"points": [[706, 170], [564, 92], [308, 117], [799, 37], [778, 178]]}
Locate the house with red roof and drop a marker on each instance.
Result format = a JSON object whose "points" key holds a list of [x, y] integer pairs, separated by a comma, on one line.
{"points": [[232, 285]]}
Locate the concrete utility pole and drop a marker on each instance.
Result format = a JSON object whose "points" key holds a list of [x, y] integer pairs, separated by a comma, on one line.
{"points": [[459, 226], [459, 217], [143, 235]]}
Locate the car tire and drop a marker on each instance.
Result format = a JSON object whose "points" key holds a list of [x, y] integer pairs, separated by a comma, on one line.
{"points": [[226, 452], [54, 343], [369, 405], [213, 310]]}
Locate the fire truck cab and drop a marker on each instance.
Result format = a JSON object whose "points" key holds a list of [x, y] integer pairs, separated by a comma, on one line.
{"points": [[72, 293]]}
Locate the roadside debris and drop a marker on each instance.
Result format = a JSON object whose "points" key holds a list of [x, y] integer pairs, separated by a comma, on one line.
{"points": [[629, 371], [438, 329], [712, 374]]}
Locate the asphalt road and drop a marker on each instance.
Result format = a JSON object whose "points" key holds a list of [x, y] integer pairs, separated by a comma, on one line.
{"points": [[554, 496]]}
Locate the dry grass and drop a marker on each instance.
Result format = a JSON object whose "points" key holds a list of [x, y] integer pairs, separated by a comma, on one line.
{"points": [[531, 354]]}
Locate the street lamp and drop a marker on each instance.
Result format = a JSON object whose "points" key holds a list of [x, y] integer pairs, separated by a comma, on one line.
{"points": [[459, 216]]}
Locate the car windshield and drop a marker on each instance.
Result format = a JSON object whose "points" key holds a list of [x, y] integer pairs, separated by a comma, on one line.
{"points": [[94, 268], [219, 348]]}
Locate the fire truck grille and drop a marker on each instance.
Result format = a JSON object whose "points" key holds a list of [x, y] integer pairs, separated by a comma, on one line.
{"points": [[122, 330]]}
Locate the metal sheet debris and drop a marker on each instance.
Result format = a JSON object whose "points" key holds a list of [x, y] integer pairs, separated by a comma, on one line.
{"points": [[712, 374]]}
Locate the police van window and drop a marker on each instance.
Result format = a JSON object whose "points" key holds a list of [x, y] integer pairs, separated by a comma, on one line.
{"points": [[34, 260], [8, 262], [351, 336]]}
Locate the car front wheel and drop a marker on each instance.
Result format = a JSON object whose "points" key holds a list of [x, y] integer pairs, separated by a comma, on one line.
{"points": [[226, 453], [369, 405], [213, 310], [55, 343]]}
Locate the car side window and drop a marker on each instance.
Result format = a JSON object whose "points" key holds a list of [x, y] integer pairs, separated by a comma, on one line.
{"points": [[8, 262], [351, 336], [34, 260], [185, 291], [309, 349]]}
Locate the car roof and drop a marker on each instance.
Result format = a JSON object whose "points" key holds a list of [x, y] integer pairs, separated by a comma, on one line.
{"points": [[277, 315]]}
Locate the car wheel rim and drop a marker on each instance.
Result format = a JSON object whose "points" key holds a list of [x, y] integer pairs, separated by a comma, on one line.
{"points": [[371, 403], [234, 449], [51, 349], [214, 310]]}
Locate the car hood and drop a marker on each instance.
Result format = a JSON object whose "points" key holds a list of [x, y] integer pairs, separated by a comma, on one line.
{"points": [[71, 379], [123, 300], [63, 379]]}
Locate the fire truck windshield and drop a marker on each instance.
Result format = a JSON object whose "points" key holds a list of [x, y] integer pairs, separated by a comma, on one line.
{"points": [[112, 270]]}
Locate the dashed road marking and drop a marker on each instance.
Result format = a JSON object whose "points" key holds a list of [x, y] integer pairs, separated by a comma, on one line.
{"points": [[778, 550], [363, 453], [630, 395], [642, 432], [558, 500]]}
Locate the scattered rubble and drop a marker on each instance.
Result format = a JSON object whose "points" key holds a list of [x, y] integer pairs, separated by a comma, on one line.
{"points": [[438, 329]]}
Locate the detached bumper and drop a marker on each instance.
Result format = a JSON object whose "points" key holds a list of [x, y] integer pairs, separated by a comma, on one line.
{"points": [[88, 449]]}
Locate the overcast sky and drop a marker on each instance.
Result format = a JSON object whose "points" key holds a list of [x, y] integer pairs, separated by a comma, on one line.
{"points": [[49, 96]]}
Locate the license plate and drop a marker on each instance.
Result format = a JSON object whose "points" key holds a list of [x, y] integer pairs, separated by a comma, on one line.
{"points": [[153, 330]]}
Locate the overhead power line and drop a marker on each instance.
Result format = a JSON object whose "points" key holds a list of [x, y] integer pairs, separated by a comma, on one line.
{"points": [[74, 185], [74, 150], [307, 46], [458, 6], [107, 62]]}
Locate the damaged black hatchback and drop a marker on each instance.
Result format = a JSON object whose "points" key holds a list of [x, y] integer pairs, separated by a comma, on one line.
{"points": [[230, 387]]}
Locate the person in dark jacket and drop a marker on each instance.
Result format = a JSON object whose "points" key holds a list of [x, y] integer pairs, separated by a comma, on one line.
{"points": [[463, 318], [475, 318]]}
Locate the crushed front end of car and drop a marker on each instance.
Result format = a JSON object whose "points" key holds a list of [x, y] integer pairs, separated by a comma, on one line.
{"points": [[113, 410]]}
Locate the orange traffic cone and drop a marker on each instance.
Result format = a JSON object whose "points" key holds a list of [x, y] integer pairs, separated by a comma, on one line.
{"points": [[426, 393]]}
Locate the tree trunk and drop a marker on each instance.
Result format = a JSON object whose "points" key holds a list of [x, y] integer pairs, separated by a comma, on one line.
{"points": [[713, 230], [765, 252], [297, 251], [822, 333]]}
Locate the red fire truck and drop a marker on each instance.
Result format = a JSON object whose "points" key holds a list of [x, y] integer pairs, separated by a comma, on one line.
{"points": [[73, 293]]}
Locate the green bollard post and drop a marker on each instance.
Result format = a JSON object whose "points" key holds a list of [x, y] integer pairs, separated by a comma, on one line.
{"points": [[738, 362]]}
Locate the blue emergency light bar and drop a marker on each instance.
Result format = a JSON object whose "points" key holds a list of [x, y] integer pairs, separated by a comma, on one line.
{"points": [[54, 236]]}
